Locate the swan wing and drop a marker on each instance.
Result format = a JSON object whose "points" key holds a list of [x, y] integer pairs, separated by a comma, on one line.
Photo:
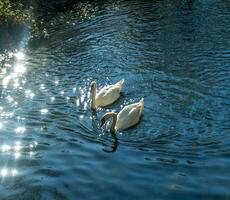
{"points": [[130, 115], [109, 94]]}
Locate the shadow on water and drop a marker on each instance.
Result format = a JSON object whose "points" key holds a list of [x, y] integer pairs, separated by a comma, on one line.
{"points": [[174, 54]]}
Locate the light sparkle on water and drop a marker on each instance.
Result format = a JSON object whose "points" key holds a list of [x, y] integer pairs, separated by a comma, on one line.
{"points": [[1, 125], [20, 69], [8, 172], [44, 111], [42, 86], [19, 56], [4, 172], [5, 148], [56, 82], [20, 129]]}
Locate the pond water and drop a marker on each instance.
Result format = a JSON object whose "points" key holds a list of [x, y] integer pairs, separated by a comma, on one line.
{"points": [[175, 54]]}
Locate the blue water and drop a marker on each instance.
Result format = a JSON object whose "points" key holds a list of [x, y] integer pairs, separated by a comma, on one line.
{"points": [[175, 54]]}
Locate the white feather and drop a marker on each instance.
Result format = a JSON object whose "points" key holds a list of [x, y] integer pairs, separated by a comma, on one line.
{"points": [[109, 94], [130, 115]]}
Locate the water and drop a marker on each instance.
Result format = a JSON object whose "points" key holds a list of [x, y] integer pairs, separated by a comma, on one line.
{"points": [[174, 54]]}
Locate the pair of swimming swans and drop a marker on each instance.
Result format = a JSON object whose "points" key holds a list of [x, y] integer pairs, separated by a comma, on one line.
{"points": [[127, 117]]}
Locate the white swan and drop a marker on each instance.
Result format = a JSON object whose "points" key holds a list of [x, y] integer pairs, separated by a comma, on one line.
{"points": [[107, 95], [126, 118]]}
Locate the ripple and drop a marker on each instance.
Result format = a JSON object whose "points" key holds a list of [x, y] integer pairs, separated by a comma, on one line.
{"points": [[175, 55]]}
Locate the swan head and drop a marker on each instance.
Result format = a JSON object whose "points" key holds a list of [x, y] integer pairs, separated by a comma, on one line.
{"points": [[105, 118], [93, 86]]}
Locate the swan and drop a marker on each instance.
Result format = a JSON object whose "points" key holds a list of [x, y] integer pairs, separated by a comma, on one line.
{"points": [[107, 95], [126, 118]]}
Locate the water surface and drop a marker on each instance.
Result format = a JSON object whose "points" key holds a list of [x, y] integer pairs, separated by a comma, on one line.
{"points": [[174, 54]]}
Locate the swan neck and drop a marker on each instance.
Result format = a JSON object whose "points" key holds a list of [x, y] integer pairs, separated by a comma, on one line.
{"points": [[114, 117], [93, 102]]}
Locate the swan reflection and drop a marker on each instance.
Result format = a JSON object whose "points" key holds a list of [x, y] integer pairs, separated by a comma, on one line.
{"points": [[113, 146]]}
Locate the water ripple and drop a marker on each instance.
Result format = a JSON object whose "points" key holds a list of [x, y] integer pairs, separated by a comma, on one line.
{"points": [[175, 55]]}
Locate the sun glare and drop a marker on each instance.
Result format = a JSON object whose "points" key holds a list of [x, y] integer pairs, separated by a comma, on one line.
{"points": [[20, 69], [19, 56]]}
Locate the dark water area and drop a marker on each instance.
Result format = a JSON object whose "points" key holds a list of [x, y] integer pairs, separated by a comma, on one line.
{"points": [[175, 54]]}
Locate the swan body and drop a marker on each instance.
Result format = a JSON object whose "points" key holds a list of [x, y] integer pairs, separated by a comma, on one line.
{"points": [[127, 117], [107, 95]]}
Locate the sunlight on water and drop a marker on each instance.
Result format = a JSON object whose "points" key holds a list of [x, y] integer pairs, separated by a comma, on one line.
{"points": [[17, 146], [10, 99], [31, 153], [20, 55], [62, 93], [45, 99], [16, 84], [17, 155], [20, 118], [14, 172], [5, 148], [29, 94], [82, 96], [52, 99], [77, 102], [13, 80], [81, 100], [6, 115], [6, 81], [1, 125], [19, 69], [42, 86], [17, 149], [56, 82], [4, 172], [20, 130], [44, 111]]}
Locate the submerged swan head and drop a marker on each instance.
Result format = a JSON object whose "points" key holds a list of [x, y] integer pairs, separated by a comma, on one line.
{"points": [[105, 118]]}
